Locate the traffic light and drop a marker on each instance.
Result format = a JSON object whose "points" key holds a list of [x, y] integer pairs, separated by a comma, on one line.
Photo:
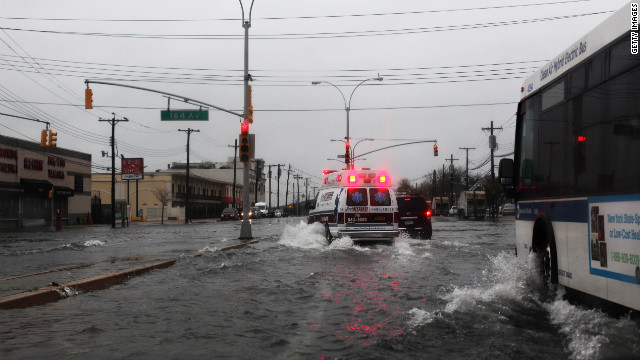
{"points": [[435, 150], [52, 138], [43, 138], [244, 141], [51, 194], [88, 98], [250, 115]]}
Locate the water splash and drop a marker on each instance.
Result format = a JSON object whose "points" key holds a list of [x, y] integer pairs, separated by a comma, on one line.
{"points": [[94, 243]]}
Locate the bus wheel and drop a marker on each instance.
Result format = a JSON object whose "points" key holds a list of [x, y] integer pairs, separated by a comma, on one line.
{"points": [[327, 233]]}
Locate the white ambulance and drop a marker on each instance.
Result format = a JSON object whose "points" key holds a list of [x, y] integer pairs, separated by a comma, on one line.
{"points": [[357, 203]]}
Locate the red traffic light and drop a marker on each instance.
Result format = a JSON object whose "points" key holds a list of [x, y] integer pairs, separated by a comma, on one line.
{"points": [[244, 127], [582, 138]]}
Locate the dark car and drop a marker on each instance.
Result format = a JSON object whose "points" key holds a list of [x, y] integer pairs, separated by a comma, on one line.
{"points": [[229, 214], [415, 216]]}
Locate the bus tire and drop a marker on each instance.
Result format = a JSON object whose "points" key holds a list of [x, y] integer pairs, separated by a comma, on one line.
{"points": [[327, 234], [544, 245]]}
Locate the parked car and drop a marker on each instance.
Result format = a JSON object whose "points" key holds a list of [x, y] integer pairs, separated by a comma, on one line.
{"points": [[229, 214], [453, 211], [508, 209], [415, 216]]}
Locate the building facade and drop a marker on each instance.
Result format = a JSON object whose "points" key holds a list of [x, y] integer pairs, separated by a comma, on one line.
{"points": [[39, 184], [210, 191]]}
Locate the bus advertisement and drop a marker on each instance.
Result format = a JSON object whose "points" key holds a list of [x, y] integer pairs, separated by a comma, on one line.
{"points": [[576, 167]]}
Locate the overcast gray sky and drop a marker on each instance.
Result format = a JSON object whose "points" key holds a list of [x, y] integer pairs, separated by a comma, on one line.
{"points": [[449, 68]]}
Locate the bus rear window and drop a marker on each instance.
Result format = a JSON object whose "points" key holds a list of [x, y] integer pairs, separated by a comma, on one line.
{"points": [[379, 197], [356, 197]]}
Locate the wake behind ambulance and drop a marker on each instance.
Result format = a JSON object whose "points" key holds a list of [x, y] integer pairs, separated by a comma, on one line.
{"points": [[357, 203]]}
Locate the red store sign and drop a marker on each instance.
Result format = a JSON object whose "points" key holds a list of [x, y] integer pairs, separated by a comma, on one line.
{"points": [[33, 164]]}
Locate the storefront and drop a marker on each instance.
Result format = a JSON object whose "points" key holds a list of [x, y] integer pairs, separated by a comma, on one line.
{"points": [[37, 184]]}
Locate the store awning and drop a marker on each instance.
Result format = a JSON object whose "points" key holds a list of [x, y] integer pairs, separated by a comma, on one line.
{"points": [[62, 191], [8, 187], [33, 186]]}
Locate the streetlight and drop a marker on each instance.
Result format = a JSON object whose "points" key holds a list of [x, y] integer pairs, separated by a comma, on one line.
{"points": [[347, 108]]}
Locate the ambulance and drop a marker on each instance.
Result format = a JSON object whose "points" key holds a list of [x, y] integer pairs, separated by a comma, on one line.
{"points": [[359, 204]]}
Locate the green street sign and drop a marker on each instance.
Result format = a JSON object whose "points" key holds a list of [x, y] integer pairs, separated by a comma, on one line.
{"points": [[184, 115], [340, 156]]}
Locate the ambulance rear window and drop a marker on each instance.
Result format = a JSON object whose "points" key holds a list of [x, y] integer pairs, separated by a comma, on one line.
{"points": [[379, 197], [356, 197]]}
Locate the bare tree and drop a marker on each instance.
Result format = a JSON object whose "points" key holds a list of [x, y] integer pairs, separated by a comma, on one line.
{"points": [[404, 187], [164, 197]]}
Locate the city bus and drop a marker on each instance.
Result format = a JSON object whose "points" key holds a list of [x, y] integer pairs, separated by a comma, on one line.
{"points": [[576, 167]]}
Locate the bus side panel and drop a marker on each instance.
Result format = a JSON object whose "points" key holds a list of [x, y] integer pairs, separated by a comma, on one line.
{"points": [[577, 272], [621, 293]]}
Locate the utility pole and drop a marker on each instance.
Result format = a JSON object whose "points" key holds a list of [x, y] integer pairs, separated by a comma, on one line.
{"points": [[466, 184], [306, 192], [433, 195], [286, 194], [187, 213], [113, 123], [245, 229], [492, 146], [278, 194], [442, 192], [258, 177], [235, 152], [298, 177], [451, 170], [270, 184]]}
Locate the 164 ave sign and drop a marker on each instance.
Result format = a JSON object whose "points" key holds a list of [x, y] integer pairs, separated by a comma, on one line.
{"points": [[184, 115]]}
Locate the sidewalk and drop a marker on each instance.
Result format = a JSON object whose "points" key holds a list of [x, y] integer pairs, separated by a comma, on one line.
{"points": [[55, 284]]}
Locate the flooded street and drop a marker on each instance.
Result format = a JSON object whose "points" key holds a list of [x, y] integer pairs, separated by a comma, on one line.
{"points": [[292, 296]]}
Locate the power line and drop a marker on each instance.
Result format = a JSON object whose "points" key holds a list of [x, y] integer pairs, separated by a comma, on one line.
{"points": [[321, 35], [302, 17]]}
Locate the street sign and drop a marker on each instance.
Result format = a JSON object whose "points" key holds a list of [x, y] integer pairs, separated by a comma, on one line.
{"points": [[184, 115], [340, 156]]}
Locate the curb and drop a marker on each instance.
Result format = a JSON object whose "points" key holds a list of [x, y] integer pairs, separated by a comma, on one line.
{"points": [[54, 293]]}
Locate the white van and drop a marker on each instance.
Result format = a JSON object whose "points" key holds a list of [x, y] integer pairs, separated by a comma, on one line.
{"points": [[262, 207], [357, 203]]}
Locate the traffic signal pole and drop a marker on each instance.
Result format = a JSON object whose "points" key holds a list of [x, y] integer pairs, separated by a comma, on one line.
{"points": [[245, 228]]}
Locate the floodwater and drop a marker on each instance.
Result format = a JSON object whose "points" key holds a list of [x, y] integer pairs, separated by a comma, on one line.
{"points": [[461, 295]]}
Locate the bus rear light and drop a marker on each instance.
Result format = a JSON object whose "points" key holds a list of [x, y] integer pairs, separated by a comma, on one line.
{"points": [[428, 213], [325, 180], [339, 178], [582, 139]]}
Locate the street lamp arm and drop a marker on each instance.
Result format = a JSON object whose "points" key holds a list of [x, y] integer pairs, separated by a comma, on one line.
{"points": [[362, 82], [250, 10], [392, 146], [326, 82]]}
